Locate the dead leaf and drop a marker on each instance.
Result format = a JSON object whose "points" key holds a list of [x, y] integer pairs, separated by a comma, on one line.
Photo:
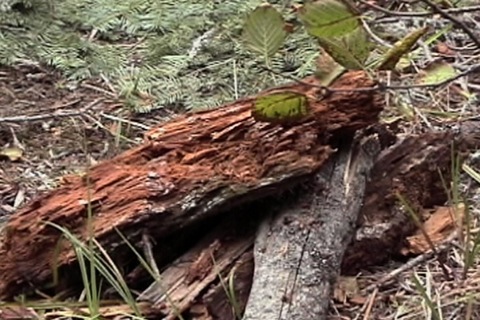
{"points": [[442, 48], [345, 288], [327, 69], [436, 73], [11, 153]]}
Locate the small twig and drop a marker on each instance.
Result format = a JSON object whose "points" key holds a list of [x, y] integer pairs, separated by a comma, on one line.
{"points": [[475, 68], [447, 244], [53, 114], [108, 83], [147, 249], [419, 14], [369, 306], [374, 36], [132, 123], [381, 86], [454, 20], [98, 123], [98, 89], [422, 116]]}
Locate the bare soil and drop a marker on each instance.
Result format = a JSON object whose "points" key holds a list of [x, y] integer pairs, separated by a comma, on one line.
{"points": [[60, 126]]}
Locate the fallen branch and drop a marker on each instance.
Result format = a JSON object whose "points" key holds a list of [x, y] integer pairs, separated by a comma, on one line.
{"points": [[56, 114], [191, 168], [298, 253]]}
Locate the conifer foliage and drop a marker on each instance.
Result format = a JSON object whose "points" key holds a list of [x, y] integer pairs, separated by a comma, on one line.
{"points": [[145, 48]]}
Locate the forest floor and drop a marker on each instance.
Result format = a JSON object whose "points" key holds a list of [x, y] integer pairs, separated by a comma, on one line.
{"points": [[58, 130], [51, 127]]}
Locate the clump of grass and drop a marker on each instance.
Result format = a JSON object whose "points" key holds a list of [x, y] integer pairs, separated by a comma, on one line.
{"points": [[93, 259], [229, 289]]}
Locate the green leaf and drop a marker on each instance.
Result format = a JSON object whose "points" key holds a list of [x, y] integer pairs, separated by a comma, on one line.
{"points": [[437, 73], [329, 18], [400, 48], [280, 107], [264, 31], [351, 50]]}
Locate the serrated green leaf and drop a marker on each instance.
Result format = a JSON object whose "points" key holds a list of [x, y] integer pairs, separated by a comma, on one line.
{"points": [[351, 50], [400, 48], [437, 73], [329, 18], [264, 31], [281, 107]]}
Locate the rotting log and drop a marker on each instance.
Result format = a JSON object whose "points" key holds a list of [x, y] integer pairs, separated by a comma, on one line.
{"points": [[413, 168], [189, 169], [298, 250], [212, 153]]}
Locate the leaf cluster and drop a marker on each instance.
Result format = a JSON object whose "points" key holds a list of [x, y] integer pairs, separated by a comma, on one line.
{"points": [[336, 25], [338, 28]]}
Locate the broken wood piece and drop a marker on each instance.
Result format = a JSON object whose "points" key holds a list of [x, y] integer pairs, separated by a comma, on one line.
{"points": [[298, 253], [413, 168], [187, 280], [438, 226]]}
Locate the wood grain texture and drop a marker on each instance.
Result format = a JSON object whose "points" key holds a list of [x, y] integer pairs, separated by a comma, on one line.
{"points": [[298, 253]]}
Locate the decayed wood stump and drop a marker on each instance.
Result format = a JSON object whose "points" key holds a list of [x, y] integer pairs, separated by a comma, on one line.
{"points": [[190, 168], [412, 168]]}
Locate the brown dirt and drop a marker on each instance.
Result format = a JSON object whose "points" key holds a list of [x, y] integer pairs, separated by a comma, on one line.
{"points": [[56, 144]]}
